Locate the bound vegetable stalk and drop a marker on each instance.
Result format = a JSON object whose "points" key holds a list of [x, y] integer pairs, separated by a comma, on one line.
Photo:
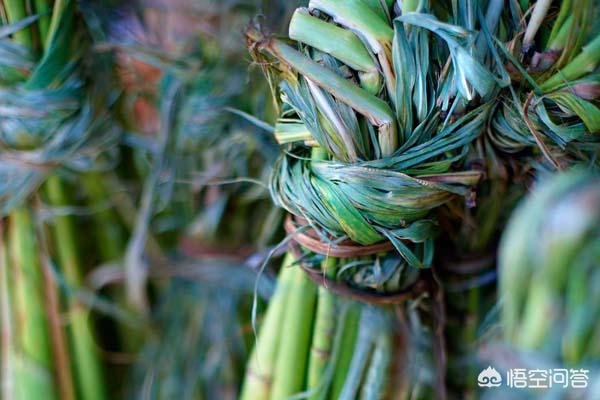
{"points": [[548, 286], [553, 62], [378, 106], [47, 120], [545, 121]]}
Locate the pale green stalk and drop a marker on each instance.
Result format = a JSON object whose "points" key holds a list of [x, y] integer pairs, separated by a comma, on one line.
{"points": [[16, 11], [43, 8], [33, 374], [560, 39], [377, 111], [360, 18], [32, 362], [369, 26], [535, 22], [340, 43], [88, 369], [381, 7], [584, 63], [7, 336], [410, 6], [294, 346], [291, 131], [324, 329], [261, 363], [342, 364], [535, 324], [563, 14], [111, 243], [323, 335]]}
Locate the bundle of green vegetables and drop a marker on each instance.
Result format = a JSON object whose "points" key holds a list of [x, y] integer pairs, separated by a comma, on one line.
{"points": [[542, 122], [553, 59], [548, 120], [548, 287], [54, 125], [407, 132], [382, 104], [379, 104]]}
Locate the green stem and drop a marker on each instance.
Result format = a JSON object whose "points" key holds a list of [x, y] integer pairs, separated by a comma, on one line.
{"points": [[16, 11], [294, 346], [361, 351], [537, 317], [338, 42], [376, 31], [40, 343], [535, 22], [33, 377], [58, 9], [410, 6], [6, 351], [350, 328], [111, 240], [88, 369], [584, 63], [60, 348], [377, 111], [323, 334], [470, 333], [563, 14], [291, 131], [43, 8], [261, 363], [382, 8], [560, 40]]}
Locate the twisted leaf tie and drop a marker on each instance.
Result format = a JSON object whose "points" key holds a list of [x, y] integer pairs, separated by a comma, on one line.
{"points": [[47, 118], [365, 204]]}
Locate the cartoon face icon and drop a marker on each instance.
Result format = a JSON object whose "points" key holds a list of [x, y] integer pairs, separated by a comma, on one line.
{"points": [[489, 377]]}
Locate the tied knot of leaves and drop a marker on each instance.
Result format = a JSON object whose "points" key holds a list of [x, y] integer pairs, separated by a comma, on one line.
{"points": [[367, 202], [379, 107], [49, 115]]}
